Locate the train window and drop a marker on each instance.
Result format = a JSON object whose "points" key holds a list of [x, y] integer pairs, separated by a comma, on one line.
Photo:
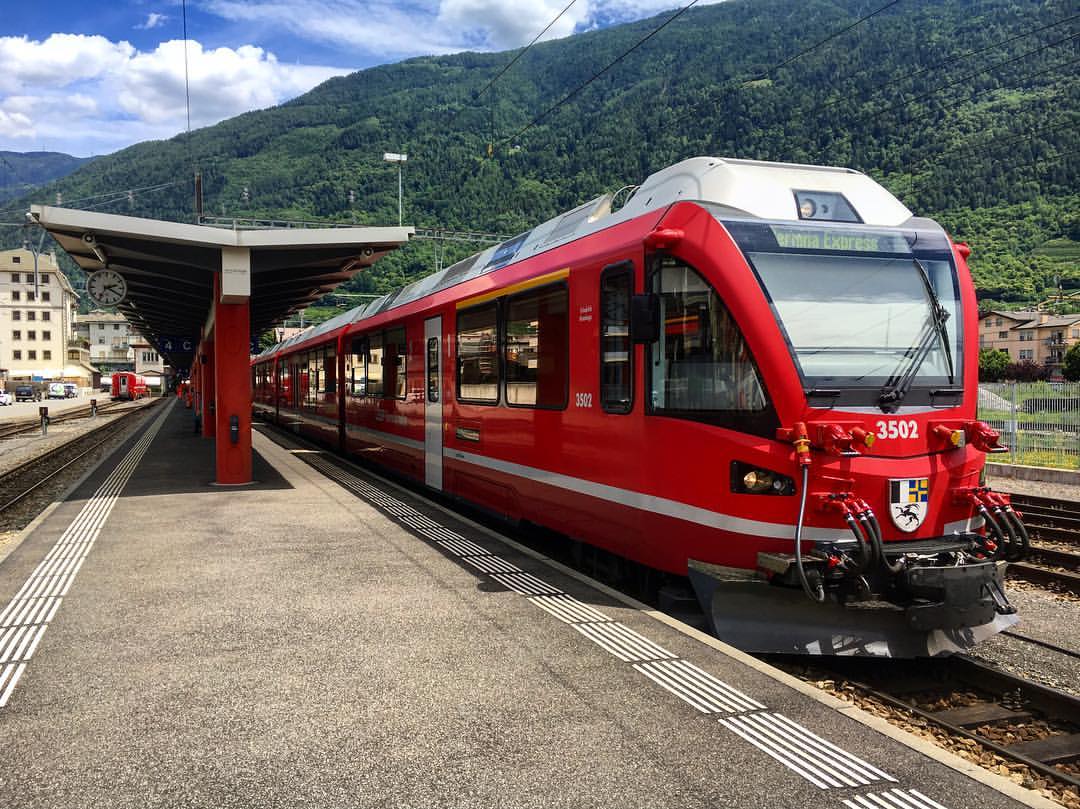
{"points": [[537, 348], [616, 350], [478, 354], [329, 370], [313, 388], [433, 369], [701, 367], [357, 372], [375, 366], [394, 382]]}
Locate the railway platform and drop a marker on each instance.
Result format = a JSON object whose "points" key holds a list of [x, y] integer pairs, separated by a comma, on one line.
{"points": [[321, 638]]}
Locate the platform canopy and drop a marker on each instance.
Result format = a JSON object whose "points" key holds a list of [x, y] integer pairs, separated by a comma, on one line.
{"points": [[170, 267]]}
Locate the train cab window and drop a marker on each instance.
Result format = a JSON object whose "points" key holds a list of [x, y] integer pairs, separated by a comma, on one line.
{"points": [[616, 350], [375, 366], [700, 368], [537, 348], [478, 355], [394, 379]]}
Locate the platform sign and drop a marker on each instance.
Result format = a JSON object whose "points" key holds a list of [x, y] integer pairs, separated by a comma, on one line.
{"points": [[168, 343]]}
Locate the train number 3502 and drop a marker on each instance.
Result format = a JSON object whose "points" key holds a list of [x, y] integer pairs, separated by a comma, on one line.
{"points": [[899, 428], [583, 399]]}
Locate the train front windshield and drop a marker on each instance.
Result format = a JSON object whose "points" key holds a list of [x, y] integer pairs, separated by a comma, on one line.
{"points": [[864, 310]]}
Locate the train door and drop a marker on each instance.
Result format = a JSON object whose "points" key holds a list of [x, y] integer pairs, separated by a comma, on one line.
{"points": [[123, 386], [433, 409]]}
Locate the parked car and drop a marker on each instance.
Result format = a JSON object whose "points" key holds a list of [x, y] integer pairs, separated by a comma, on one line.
{"points": [[56, 390], [71, 390], [6, 398], [28, 393]]}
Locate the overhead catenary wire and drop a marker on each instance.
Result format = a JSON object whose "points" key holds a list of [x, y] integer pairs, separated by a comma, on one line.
{"points": [[818, 44], [957, 58], [524, 50], [954, 82], [600, 72]]}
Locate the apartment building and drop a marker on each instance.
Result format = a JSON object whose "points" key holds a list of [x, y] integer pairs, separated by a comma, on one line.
{"points": [[110, 338], [1041, 337], [37, 322]]}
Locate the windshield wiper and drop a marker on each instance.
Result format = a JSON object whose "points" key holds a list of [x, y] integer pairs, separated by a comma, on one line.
{"points": [[900, 382]]}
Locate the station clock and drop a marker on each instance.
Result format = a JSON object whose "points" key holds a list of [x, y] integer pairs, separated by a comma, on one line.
{"points": [[106, 287]]}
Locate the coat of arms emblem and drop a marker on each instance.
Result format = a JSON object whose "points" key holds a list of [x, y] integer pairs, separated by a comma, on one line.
{"points": [[907, 502]]}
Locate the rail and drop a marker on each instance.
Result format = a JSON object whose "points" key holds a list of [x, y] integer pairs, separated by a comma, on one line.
{"points": [[44, 468], [31, 424], [924, 688]]}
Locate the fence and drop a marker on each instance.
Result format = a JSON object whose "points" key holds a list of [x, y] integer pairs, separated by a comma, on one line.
{"points": [[1038, 421]]}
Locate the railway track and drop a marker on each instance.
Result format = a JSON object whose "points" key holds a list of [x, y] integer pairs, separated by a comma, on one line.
{"points": [[1055, 565], [1021, 721], [31, 424], [18, 483]]}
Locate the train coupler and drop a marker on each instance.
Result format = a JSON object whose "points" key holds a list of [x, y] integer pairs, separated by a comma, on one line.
{"points": [[955, 597]]}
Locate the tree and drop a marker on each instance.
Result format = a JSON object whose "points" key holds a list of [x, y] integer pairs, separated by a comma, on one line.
{"points": [[992, 364], [1071, 371], [1027, 371]]}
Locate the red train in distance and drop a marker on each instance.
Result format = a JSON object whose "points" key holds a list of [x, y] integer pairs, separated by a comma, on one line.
{"points": [[126, 385], [761, 376]]}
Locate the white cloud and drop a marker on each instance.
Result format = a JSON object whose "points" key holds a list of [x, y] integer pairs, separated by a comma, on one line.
{"points": [[389, 29], [112, 95], [15, 125], [153, 20], [510, 24]]}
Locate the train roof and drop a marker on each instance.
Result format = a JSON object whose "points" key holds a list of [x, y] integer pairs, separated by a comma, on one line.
{"points": [[746, 188]]}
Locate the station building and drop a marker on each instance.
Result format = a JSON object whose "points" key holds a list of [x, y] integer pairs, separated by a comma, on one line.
{"points": [[37, 322]]}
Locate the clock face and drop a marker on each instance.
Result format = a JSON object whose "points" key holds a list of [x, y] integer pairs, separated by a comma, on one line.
{"points": [[106, 287]]}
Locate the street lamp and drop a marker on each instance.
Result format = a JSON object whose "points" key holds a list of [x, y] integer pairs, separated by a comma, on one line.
{"points": [[393, 157]]}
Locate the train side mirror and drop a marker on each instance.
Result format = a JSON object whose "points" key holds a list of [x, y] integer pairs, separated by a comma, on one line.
{"points": [[645, 318]]}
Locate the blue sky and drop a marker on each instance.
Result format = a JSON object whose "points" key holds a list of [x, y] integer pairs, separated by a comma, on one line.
{"points": [[86, 77]]}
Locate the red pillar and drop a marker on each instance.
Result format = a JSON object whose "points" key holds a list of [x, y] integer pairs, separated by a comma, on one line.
{"points": [[232, 389], [209, 366]]}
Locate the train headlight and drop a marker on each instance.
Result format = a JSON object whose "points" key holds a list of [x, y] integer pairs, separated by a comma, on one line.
{"points": [[758, 480], [749, 479]]}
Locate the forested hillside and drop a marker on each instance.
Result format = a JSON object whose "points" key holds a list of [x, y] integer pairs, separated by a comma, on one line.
{"points": [[21, 171], [966, 109]]}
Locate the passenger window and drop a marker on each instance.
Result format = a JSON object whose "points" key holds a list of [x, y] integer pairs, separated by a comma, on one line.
{"points": [[329, 370], [313, 388], [478, 355], [537, 349], [701, 364], [357, 370], [375, 366], [394, 381], [433, 369], [616, 350]]}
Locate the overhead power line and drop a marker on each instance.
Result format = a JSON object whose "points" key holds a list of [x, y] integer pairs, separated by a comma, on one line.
{"points": [[663, 25], [1020, 80], [601, 72], [524, 50], [818, 44], [957, 58], [938, 89]]}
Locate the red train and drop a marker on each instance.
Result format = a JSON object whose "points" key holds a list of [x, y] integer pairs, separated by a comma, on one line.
{"points": [[743, 354], [126, 385]]}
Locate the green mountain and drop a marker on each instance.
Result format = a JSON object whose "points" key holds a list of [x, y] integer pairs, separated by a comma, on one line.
{"points": [[21, 171], [965, 109]]}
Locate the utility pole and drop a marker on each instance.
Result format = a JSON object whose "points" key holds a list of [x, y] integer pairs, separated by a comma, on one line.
{"points": [[393, 157]]}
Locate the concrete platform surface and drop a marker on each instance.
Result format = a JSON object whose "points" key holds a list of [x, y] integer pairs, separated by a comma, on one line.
{"points": [[320, 639]]}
